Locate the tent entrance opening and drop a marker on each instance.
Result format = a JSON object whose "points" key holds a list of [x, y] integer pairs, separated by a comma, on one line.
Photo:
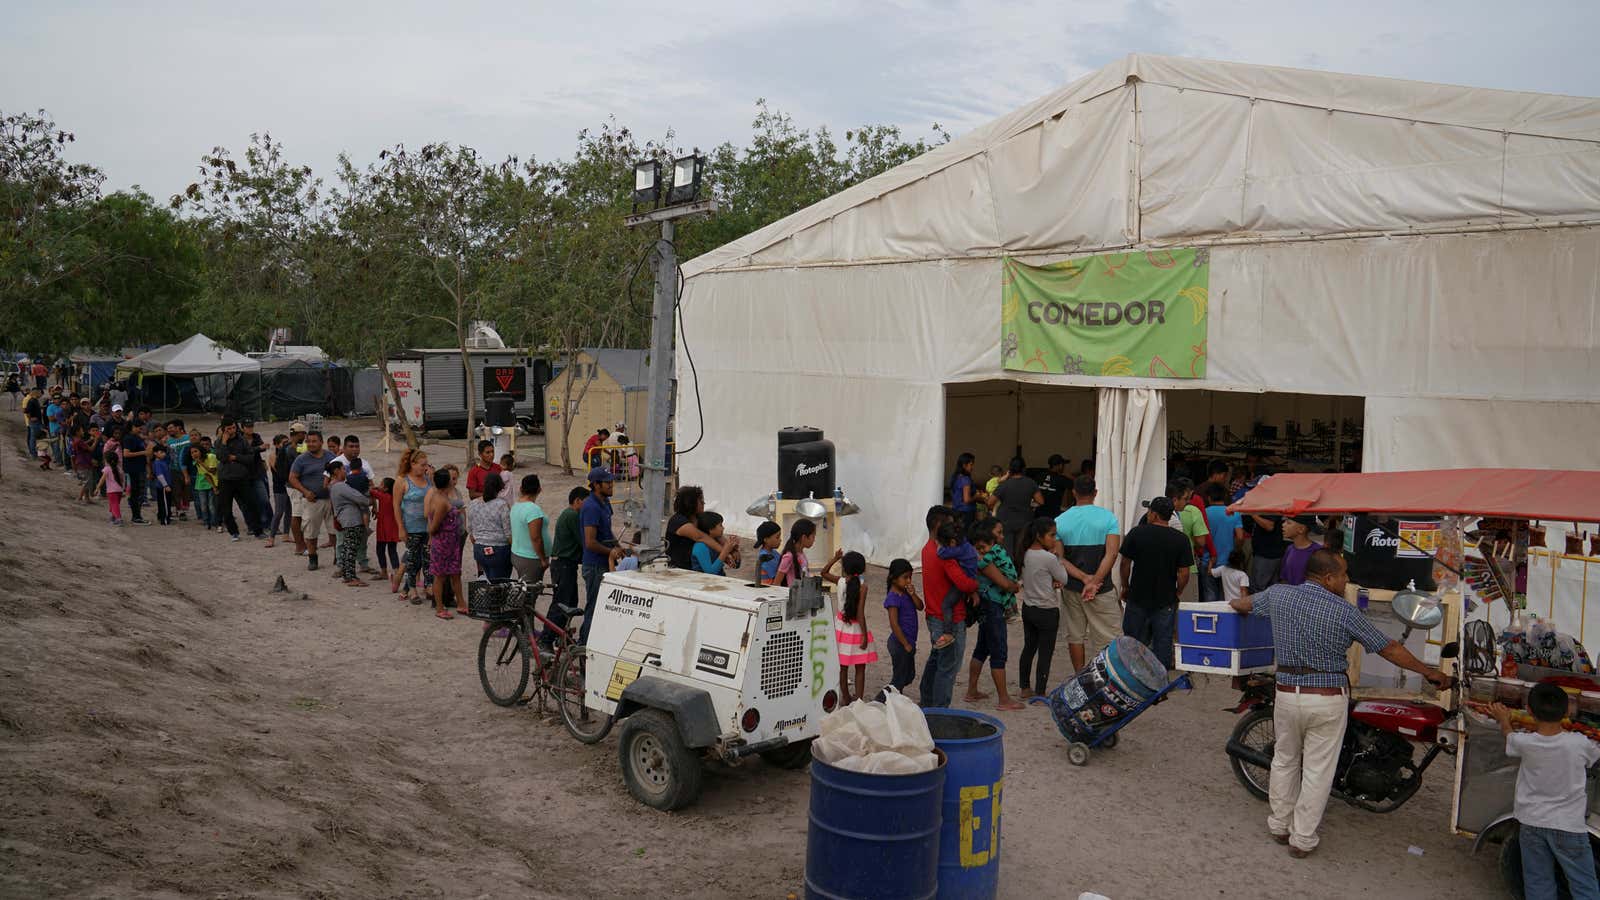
{"points": [[996, 420], [1293, 432]]}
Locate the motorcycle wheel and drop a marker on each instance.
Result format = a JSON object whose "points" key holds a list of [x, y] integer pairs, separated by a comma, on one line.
{"points": [[1256, 731]]}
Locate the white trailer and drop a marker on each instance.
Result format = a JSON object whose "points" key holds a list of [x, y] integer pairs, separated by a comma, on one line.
{"points": [[701, 665]]}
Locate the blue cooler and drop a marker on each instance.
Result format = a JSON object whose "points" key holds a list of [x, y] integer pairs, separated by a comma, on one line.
{"points": [[1216, 639]]}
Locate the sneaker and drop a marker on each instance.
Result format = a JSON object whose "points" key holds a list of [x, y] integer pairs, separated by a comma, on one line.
{"points": [[141, 522], [183, 517], [312, 565], [234, 538]]}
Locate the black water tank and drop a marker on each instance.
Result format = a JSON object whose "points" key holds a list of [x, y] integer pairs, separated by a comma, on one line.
{"points": [[798, 434], [498, 409], [805, 464], [1377, 557]]}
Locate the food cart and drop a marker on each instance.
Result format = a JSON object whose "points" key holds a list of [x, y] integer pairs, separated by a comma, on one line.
{"points": [[1497, 542]]}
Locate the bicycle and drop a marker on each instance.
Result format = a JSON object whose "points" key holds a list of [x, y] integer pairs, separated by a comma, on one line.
{"points": [[508, 655]]}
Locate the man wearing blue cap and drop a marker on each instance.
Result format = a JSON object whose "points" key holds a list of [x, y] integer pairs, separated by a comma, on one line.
{"points": [[599, 544]]}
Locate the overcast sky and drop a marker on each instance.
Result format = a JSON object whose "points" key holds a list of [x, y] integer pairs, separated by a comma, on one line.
{"points": [[149, 87]]}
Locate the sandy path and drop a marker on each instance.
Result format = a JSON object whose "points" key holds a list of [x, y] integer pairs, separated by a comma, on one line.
{"points": [[169, 727]]}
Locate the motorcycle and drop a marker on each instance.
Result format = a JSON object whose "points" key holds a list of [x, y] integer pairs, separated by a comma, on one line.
{"points": [[1378, 768]]}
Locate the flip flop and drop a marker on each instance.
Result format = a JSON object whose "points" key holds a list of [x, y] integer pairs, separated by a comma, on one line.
{"points": [[444, 614], [416, 601]]}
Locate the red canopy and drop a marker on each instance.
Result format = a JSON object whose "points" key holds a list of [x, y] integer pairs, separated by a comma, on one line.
{"points": [[1559, 496]]}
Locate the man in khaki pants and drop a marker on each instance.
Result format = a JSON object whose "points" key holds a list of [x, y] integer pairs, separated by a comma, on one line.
{"points": [[1090, 538], [1313, 627]]}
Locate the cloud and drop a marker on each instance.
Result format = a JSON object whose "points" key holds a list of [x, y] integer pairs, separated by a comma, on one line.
{"points": [[149, 90]]}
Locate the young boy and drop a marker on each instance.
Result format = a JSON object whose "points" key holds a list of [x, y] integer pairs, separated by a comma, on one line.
{"points": [[161, 485], [767, 540], [1552, 800], [1297, 531], [350, 515]]}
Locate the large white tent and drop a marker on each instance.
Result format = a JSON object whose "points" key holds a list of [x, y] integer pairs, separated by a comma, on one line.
{"points": [[1431, 249], [196, 355], [194, 370]]}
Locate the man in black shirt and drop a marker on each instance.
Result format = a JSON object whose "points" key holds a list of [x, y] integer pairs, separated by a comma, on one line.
{"points": [[1013, 501], [1266, 548], [1155, 568], [233, 481], [33, 412], [136, 453], [1053, 487]]}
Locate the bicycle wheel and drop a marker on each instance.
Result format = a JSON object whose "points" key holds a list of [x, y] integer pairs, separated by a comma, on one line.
{"points": [[503, 662], [585, 724]]}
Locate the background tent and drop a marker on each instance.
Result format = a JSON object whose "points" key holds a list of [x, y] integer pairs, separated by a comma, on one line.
{"points": [[1415, 259], [366, 388], [283, 388], [190, 374], [93, 372]]}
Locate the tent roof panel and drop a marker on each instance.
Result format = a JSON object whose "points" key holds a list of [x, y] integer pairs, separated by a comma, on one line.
{"points": [[197, 355], [1559, 131]]}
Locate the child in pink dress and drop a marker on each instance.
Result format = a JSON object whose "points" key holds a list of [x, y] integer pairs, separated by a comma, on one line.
{"points": [[111, 481], [854, 637]]}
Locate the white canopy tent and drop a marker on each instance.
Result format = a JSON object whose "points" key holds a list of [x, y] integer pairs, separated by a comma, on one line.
{"points": [[197, 355], [209, 365], [1429, 248]]}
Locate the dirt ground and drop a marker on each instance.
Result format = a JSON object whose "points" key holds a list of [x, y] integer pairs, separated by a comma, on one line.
{"points": [[170, 728]]}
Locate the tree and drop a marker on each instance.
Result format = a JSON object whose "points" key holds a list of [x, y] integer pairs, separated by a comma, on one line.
{"points": [[571, 260], [370, 287], [262, 218], [45, 204], [144, 281], [784, 169], [443, 213]]}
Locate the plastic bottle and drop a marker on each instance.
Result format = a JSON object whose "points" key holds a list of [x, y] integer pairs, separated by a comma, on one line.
{"points": [[1361, 599]]}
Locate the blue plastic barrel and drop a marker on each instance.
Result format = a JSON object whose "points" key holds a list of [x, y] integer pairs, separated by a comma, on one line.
{"points": [[969, 844], [873, 837]]}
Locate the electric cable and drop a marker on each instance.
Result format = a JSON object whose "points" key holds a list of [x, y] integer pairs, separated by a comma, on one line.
{"points": [[677, 309]]}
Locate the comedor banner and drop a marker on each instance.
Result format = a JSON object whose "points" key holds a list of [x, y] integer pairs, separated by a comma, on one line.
{"points": [[1117, 314]]}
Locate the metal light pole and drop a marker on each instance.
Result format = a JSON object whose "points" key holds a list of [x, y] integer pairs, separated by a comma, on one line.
{"points": [[663, 359]]}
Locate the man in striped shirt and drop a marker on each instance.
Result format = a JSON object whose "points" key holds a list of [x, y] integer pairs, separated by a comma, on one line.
{"points": [[1313, 627]]}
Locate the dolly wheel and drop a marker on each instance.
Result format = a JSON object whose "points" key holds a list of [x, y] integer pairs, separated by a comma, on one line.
{"points": [[1078, 754]]}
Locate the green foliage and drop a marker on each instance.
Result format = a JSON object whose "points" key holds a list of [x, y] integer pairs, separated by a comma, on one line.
{"points": [[404, 251], [143, 285]]}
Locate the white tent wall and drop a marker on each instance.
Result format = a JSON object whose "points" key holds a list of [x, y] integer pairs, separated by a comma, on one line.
{"points": [[1131, 450], [1429, 433], [1367, 237], [861, 350]]}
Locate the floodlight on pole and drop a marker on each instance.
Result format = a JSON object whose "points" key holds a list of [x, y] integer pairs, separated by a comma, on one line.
{"points": [[646, 183], [680, 201], [685, 179]]}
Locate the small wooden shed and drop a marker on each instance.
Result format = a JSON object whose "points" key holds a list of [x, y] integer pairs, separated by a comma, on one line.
{"points": [[602, 388]]}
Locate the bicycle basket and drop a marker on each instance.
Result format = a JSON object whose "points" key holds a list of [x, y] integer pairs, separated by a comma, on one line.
{"points": [[495, 600]]}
